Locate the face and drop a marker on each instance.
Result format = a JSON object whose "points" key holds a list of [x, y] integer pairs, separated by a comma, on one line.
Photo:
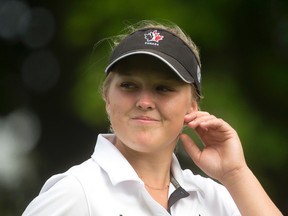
{"points": [[146, 103]]}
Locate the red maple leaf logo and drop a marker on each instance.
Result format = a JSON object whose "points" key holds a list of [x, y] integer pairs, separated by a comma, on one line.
{"points": [[157, 36], [153, 36]]}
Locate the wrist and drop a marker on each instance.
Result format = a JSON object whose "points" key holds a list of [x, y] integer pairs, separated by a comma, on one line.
{"points": [[239, 175]]}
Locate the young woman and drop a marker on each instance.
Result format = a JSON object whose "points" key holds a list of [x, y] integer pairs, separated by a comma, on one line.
{"points": [[151, 91]]}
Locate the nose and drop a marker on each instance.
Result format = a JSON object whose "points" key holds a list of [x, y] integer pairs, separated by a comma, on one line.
{"points": [[145, 101]]}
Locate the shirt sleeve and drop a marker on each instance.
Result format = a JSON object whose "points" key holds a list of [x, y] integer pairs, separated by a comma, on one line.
{"points": [[61, 195]]}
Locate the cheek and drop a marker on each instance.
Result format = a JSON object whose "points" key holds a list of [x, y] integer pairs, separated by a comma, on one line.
{"points": [[179, 107], [175, 114], [115, 115], [177, 110], [111, 100], [113, 109], [118, 106]]}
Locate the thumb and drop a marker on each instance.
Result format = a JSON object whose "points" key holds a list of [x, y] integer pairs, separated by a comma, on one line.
{"points": [[191, 148]]}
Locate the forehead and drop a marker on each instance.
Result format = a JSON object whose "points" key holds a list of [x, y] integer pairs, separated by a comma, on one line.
{"points": [[145, 65]]}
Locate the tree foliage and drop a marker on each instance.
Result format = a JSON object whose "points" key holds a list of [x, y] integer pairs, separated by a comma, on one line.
{"points": [[244, 49]]}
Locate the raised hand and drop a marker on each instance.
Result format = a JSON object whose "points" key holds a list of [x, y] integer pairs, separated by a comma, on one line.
{"points": [[222, 154], [222, 158]]}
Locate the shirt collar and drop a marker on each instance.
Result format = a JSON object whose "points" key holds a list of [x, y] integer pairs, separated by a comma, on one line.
{"points": [[112, 161], [119, 169], [185, 179]]}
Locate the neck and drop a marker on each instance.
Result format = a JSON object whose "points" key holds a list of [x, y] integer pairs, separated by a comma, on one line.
{"points": [[154, 172], [152, 168], [155, 181]]}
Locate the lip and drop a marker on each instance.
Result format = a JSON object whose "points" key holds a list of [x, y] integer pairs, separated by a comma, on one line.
{"points": [[145, 119]]}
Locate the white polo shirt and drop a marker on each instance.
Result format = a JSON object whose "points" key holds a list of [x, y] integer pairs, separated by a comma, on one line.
{"points": [[107, 185]]}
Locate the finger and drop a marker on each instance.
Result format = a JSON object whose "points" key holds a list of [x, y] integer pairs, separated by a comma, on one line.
{"points": [[191, 148], [193, 115], [200, 120], [216, 124]]}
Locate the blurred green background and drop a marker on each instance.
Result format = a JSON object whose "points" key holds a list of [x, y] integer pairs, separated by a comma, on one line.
{"points": [[50, 71]]}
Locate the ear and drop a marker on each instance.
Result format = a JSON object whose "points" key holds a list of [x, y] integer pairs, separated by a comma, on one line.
{"points": [[193, 107]]}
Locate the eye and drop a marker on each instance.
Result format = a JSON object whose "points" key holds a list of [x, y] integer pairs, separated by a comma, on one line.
{"points": [[163, 88], [128, 85]]}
